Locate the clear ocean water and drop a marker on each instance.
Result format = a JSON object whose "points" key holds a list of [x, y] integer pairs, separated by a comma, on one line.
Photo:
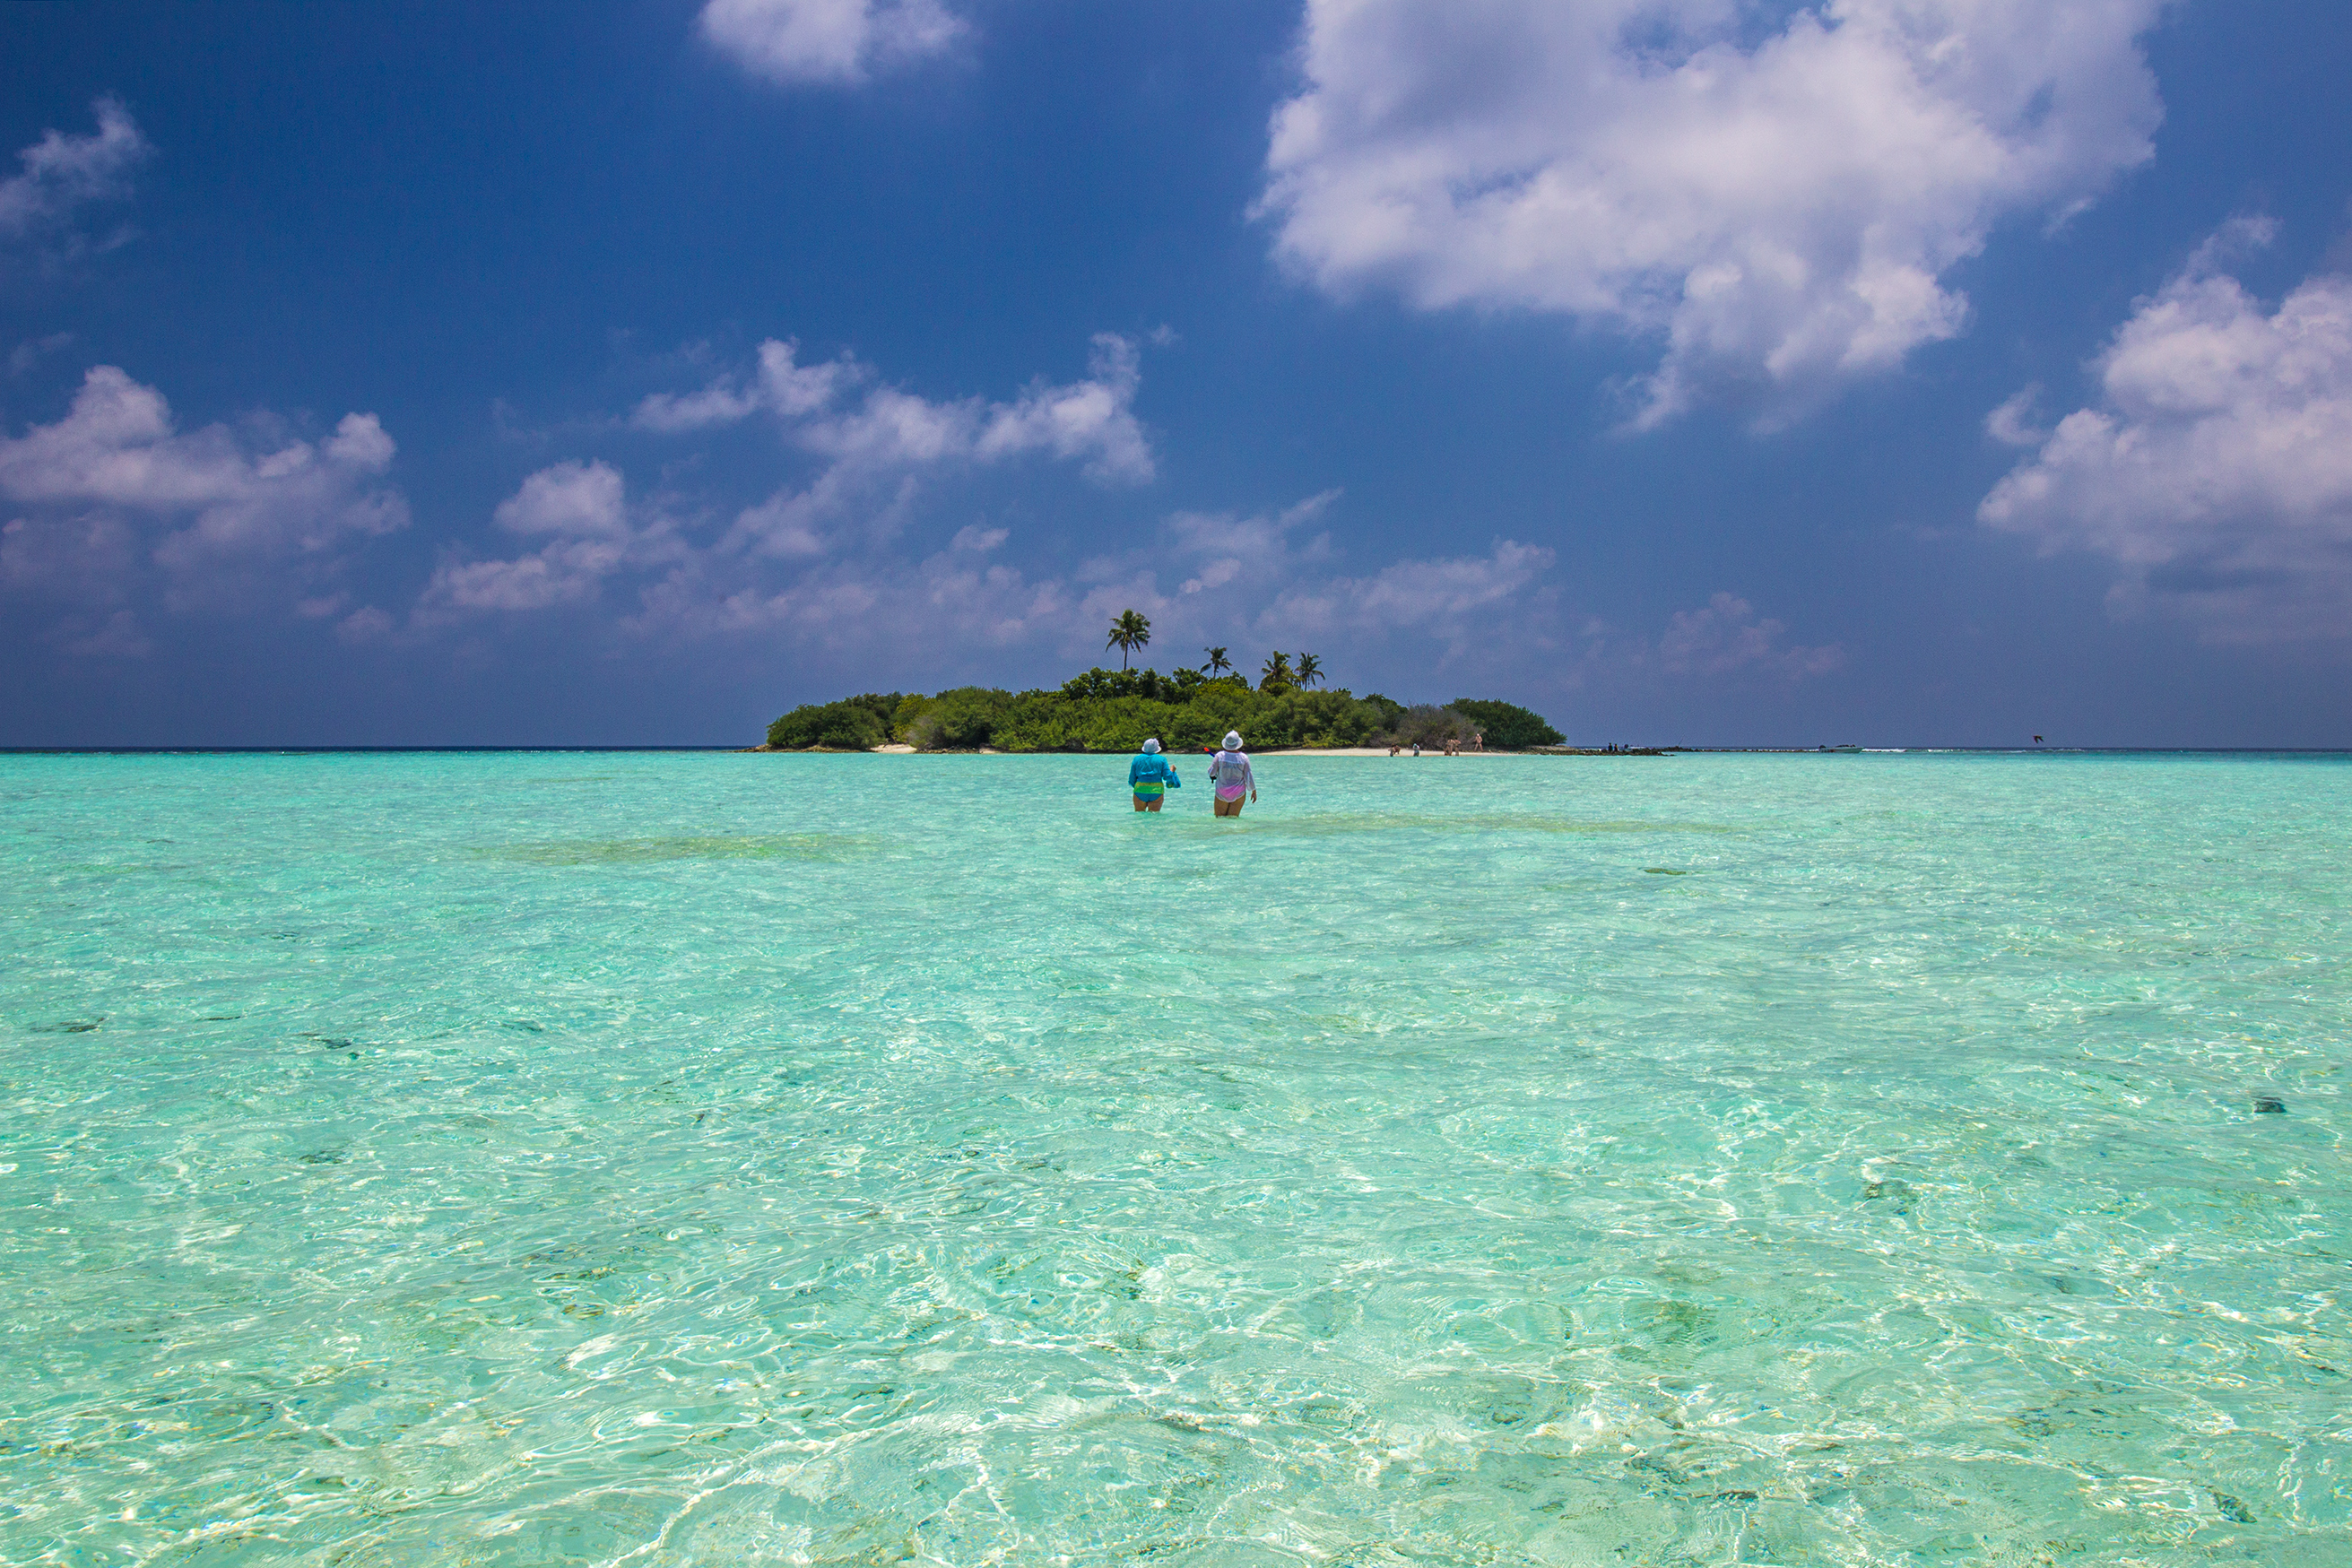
{"points": [[636, 1158]]}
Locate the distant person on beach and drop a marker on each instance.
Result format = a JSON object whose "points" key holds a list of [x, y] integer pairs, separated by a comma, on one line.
{"points": [[1478, 740], [1230, 772], [1394, 746], [1151, 778]]}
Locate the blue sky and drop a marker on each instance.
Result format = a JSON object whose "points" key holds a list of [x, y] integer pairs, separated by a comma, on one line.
{"points": [[1690, 371]]}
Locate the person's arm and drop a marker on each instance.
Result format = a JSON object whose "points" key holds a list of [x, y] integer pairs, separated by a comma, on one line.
{"points": [[1174, 783]]}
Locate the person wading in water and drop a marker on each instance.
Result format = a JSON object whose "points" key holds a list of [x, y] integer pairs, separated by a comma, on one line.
{"points": [[1151, 778], [1229, 770]]}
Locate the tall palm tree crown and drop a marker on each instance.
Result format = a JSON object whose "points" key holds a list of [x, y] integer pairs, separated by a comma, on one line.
{"points": [[1310, 670], [1128, 633], [1218, 663], [1276, 672]]}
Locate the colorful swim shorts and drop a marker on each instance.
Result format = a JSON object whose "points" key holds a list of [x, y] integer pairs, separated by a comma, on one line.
{"points": [[1149, 792], [1231, 792]]}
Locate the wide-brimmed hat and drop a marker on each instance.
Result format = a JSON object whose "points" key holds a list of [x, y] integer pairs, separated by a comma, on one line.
{"points": [[1150, 748], [1232, 740]]}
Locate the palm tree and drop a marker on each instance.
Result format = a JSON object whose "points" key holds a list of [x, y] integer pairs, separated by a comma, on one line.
{"points": [[1128, 633], [1310, 670], [1218, 663], [1276, 672]]}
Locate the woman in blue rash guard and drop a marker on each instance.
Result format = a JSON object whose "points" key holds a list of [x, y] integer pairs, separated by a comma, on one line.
{"points": [[1150, 778]]}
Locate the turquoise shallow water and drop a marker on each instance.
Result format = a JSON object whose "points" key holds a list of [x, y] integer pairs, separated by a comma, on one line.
{"points": [[534, 1158]]}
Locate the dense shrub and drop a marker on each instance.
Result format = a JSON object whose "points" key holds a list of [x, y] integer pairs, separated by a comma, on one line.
{"points": [[1508, 727], [855, 724], [1428, 724], [1061, 721], [1098, 684], [1047, 721], [964, 719], [1118, 710]]}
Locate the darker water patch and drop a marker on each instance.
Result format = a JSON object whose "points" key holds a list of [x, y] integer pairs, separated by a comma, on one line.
{"points": [[1902, 1194], [1662, 871], [697, 847], [1325, 824], [69, 1025], [2269, 1105]]}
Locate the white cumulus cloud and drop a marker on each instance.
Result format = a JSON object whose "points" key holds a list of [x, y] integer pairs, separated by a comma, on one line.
{"points": [[836, 41], [114, 489], [875, 448], [64, 172], [581, 510], [1275, 583], [1450, 595], [1776, 195], [780, 386], [585, 499], [1281, 578], [850, 559], [1724, 637], [1091, 420], [880, 442], [2217, 466]]}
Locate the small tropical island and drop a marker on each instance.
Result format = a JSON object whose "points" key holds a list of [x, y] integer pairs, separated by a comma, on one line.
{"points": [[1117, 710]]}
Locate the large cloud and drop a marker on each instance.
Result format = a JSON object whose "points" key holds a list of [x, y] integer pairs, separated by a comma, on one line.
{"points": [[1246, 580], [114, 493], [1725, 637], [879, 443], [842, 41], [2216, 468], [781, 385], [826, 563], [1459, 600], [581, 511], [875, 447], [1091, 420], [63, 173], [1282, 578], [1778, 202], [849, 560]]}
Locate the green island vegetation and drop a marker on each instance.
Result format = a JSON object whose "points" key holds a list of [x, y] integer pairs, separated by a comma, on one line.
{"points": [[1117, 710]]}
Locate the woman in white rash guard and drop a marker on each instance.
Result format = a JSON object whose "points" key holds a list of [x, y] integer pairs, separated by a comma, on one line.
{"points": [[1229, 770]]}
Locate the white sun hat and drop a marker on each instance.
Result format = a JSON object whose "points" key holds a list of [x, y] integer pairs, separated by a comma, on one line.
{"points": [[1232, 740]]}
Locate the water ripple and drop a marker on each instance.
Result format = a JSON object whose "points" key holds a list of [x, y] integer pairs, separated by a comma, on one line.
{"points": [[817, 1160]]}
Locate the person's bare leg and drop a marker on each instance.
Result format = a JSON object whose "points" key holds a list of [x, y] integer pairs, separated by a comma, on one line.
{"points": [[1141, 807]]}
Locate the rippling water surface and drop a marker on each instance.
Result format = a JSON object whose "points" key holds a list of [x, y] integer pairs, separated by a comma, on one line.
{"points": [[541, 1159]]}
